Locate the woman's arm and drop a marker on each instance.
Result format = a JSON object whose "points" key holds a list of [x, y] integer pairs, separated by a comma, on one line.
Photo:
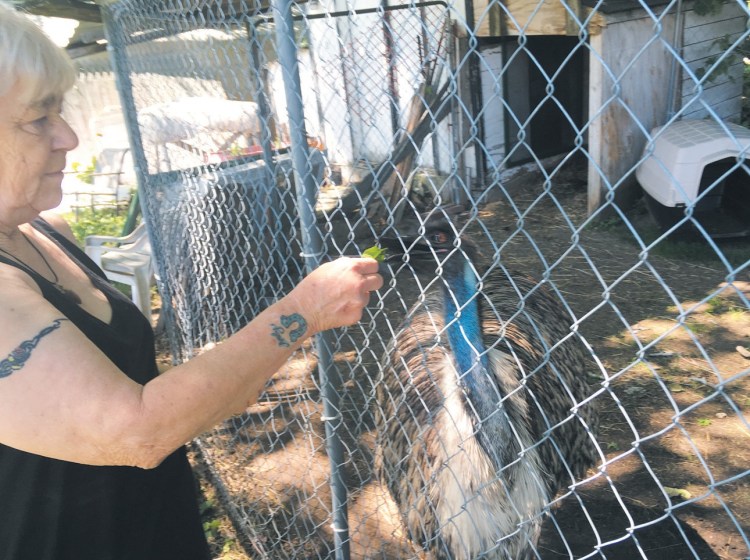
{"points": [[61, 397]]}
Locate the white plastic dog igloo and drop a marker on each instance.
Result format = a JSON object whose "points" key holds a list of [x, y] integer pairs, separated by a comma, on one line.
{"points": [[694, 164]]}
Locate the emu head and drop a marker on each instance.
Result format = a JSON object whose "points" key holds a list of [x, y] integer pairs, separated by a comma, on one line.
{"points": [[432, 241]]}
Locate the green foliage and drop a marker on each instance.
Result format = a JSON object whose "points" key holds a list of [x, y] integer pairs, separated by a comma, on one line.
{"points": [[712, 64], [211, 528], [206, 506], [677, 493], [707, 7], [85, 175], [613, 223], [375, 252], [105, 221], [221, 541], [720, 306]]}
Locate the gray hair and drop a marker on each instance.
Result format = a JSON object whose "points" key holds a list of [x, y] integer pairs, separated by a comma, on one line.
{"points": [[28, 55]]}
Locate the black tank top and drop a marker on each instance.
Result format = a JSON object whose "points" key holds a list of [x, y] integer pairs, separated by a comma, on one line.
{"points": [[57, 510]]}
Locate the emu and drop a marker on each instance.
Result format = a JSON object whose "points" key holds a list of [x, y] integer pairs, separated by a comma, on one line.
{"points": [[480, 412]]}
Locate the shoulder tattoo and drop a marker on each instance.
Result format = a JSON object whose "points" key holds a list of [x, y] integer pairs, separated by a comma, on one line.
{"points": [[21, 354], [290, 330]]}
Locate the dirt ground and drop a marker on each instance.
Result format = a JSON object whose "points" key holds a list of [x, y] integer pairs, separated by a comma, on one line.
{"points": [[668, 323]]}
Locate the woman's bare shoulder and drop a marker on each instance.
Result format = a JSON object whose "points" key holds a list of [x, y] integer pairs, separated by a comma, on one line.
{"points": [[60, 224]]}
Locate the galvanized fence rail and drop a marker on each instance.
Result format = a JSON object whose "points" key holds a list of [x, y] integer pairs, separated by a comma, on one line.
{"points": [[600, 408]]}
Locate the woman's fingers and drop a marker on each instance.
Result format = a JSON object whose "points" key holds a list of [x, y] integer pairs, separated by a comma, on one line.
{"points": [[335, 294]]}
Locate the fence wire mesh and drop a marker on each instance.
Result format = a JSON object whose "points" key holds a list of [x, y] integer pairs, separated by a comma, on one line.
{"points": [[596, 407]]}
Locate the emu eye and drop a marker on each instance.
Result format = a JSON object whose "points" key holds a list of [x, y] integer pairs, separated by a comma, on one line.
{"points": [[440, 238]]}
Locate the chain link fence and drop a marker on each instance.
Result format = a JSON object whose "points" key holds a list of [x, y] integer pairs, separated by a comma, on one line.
{"points": [[268, 138]]}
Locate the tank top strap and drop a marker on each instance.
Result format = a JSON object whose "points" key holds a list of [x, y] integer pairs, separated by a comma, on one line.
{"points": [[73, 250]]}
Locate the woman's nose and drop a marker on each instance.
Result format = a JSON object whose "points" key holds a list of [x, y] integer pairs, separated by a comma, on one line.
{"points": [[65, 138]]}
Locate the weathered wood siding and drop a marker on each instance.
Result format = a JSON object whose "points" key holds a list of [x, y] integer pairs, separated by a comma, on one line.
{"points": [[631, 91], [545, 17], [493, 106], [638, 76], [706, 38], [628, 96]]}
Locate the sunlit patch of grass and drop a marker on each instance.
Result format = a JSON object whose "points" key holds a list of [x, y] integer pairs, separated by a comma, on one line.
{"points": [[698, 327], [724, 306]]}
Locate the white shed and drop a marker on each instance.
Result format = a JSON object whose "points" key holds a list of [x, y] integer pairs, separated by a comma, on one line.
{"points": [[633, 67]]}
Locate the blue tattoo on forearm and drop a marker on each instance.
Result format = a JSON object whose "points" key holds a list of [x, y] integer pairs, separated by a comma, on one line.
{"points": [[18, 358], [284, 334]]}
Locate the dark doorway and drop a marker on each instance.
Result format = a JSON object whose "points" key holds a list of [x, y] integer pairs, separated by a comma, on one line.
{"points": [[546, 84]]}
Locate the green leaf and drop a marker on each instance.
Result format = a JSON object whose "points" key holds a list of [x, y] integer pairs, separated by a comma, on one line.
{"points": [[678, 493], [375, 252]]}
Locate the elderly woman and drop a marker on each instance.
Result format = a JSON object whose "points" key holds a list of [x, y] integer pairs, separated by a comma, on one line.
{"points": [[92, 464]]}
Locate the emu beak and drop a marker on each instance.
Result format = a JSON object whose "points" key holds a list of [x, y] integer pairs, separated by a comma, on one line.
{"points": [[397, 246]]}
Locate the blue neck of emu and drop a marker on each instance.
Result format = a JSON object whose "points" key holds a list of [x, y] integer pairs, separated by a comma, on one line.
{"points": [[482, 392]]}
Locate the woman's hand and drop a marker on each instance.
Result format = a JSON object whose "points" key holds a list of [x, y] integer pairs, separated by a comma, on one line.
{"points": [[334, 294]]}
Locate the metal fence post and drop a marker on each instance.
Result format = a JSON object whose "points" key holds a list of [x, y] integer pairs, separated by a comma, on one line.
{"points": [[116, 49], [312, 244]]}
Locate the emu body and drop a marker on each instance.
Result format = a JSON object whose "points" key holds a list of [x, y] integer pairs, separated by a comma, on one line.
{"points": [[474, 416]]}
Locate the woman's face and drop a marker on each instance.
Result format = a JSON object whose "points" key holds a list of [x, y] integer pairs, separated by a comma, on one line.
{"points": [[34, 140]]}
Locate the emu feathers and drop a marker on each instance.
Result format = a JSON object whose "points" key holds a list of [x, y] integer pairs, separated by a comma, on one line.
{"points": [[478, 413]]}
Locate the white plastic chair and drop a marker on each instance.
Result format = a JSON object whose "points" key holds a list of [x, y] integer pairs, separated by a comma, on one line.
{"points": [[126, 260]]}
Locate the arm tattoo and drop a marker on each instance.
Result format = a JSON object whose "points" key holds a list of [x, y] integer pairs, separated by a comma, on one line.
{"points": [[20, 355], [291, 329]]}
